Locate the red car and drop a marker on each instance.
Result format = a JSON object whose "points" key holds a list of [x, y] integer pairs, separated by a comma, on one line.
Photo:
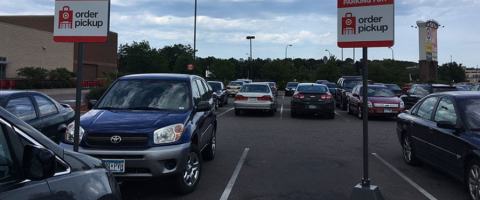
{"points": [[407, 86], [381, 102]]}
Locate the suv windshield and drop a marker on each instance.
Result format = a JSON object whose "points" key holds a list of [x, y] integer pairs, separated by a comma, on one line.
{"points": [[215, 86], [147, 95], [351, 83], [292, 84]]}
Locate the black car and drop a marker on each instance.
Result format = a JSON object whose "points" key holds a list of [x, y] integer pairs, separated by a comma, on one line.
{"points": [[443, 130], [151, 126], [290, 88], [312, 98], [345, 85], [332, 87], [34, 167], [39, 111], [418, 91], [220, 92], [395, 89]]}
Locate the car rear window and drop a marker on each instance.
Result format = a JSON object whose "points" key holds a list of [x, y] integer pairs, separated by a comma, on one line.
{"points": [[312, 89], [215, 86], [351, 83], [255, 88], [236, 83]]}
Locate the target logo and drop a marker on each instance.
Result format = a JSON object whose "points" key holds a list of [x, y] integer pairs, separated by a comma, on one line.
{"points": [[348, 24], [65, 22]]}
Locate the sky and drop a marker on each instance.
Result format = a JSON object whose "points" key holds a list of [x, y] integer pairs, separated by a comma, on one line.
{"points": [[310, 26]]}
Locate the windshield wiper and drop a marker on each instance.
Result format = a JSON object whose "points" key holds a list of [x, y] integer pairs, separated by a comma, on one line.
{"points": [[143, 108]]}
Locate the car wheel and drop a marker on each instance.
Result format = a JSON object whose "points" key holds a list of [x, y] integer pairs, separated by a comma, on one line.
{"points": [[220, 103], [188, 179], [349, 111], [209, 152], [226, 100], [293, 114], [472, 179], [331, 115], [271, 112], [408, 152], [359, 112], [237, 112]]}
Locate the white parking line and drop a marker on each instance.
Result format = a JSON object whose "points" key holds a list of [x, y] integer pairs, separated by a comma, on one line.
{"points": [[416, 186], [281, 111], [227, 190], [342, 116], [224, 112]]}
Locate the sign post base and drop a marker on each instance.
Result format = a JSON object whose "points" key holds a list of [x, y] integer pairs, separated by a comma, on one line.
{"points": [[371, 192]]}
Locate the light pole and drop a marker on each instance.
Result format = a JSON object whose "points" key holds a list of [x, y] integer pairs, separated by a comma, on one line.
{"points": [[286, 50], [329, 54], [250, 37], [392, 53], [195, 39]]}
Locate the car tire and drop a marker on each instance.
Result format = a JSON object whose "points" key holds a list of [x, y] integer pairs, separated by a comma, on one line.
{"points": [[237, 112], [359, 113], [331, 115], [408, 151], [209, 152], [349, 110], [293, 114], [271, 112], [472, 177], [187, 180], [226, 100]]}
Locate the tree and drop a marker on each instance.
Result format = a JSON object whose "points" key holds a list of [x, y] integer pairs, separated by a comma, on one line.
{"points": [[223, 69], [33, 73], [451, 72], [329, 71], [137, 58]]}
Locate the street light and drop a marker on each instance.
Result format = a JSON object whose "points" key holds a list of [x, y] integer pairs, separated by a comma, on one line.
{"points": [[286, 50], [195, 39], [392, 52], [329, 54], [251, 68]]}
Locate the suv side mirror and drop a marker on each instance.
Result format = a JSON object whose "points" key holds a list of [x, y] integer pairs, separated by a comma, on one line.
{"points": [[91, 103], [38, 163], [203, 106], [447, 125]]}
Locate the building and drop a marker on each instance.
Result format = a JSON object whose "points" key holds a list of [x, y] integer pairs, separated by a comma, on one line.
{"points": [[472, 75], [27, 41]]}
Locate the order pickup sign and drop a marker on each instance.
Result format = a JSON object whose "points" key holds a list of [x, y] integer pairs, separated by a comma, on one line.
{"points": [[365, 23], [81, 20]]}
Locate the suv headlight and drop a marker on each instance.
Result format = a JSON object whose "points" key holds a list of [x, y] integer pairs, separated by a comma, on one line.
{"points": [[69, 133], [402, 105], [168, 134], [369, 104]]}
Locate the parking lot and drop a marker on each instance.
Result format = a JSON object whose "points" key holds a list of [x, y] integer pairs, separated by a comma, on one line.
{"points": [[310, 157]]}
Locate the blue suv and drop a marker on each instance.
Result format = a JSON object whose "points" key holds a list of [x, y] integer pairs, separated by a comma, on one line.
{"points": [[150, 126]]}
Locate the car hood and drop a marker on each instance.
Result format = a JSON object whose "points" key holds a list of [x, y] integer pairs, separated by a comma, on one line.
{"points": [[131, 120]]}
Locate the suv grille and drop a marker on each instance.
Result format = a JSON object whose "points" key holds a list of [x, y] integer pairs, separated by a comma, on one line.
{"points": [[126, 139]]}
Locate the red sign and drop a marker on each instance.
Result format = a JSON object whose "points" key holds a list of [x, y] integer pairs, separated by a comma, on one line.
{"points": [[66, 18], [190, 67]]}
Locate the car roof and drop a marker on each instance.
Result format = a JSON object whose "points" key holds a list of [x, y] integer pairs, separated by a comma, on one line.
{"points": [[7, 93], [170, 76], [458, 94], [315, 84]]}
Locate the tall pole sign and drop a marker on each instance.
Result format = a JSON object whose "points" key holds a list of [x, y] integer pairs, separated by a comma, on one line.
{"points": [[80, 21], [365, 23]]}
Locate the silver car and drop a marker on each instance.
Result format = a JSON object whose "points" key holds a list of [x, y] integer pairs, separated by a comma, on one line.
{"points": [[255, 96]]}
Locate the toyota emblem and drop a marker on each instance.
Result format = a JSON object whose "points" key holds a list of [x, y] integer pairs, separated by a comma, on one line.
{"points": [[115, 139]]}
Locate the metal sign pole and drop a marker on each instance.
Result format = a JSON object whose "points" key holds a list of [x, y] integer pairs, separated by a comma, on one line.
{"points": [[76, 137]]}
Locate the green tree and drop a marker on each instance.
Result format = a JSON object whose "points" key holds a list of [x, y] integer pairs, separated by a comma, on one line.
{"points": [[223, 69], [451, 72], [329, 71], [136, 58]]}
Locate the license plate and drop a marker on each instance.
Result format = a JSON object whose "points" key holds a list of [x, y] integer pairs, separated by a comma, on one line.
{"points": [[387, 110], [116, 165], [252, 99], [312, 106]]}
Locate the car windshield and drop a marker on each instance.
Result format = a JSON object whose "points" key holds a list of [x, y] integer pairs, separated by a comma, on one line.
{"points": [[312, 89], [393, 87], [236, 83], [215, 86], [443, 89], [147, 95], [292, 84], [378, 92], [351, 83], [471, 109], [255, 88]]}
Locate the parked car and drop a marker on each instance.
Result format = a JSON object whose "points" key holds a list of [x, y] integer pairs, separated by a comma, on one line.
{"points": [[220, 92], [34, 167], [245, 80], [476, 87], [312, 98], [255, 96], [381, 101], [321, 81], [233, 87], [395, 89], [290, 88], [39, 111], [345, 85], [407, 86], [442, 130], [274, 87], [418, 91], [151, 126], [332, 88]]}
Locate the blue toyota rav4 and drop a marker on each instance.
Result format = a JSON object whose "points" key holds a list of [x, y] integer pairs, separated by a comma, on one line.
{"points": [[150, 126]]}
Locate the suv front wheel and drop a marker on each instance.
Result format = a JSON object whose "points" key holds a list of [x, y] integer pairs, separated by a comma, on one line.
{"points": [[188, 179]]}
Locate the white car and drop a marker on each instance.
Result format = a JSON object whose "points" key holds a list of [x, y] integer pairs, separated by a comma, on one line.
{"points": [[255, 96]]}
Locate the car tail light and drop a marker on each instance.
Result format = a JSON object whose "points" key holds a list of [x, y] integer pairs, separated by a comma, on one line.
{"points": [[240, 97], [326, 96], [298, 96], [265, 98]]}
